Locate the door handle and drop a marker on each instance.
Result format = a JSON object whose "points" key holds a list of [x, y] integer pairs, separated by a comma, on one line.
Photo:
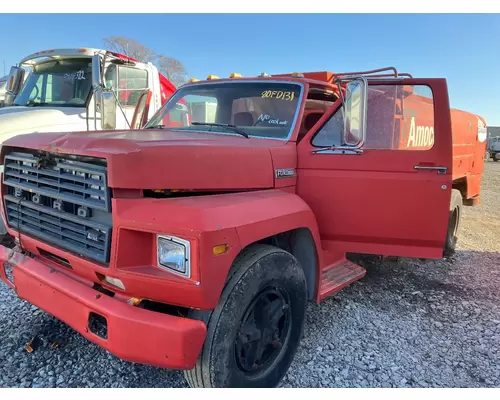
{"points": [[441, 170]]}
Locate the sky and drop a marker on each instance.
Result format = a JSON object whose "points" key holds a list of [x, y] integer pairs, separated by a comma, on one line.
{"points": [[463, 48]]}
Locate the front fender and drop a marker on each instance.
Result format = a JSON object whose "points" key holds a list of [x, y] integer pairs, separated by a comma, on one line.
{"points": [[237, 219], [254, 216]]}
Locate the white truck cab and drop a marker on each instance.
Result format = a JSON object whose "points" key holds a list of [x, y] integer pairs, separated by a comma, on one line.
{"points": [[69, 90], [53, 91]]}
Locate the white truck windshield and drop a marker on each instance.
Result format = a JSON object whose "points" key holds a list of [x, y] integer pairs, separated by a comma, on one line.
{"points": [[263, 109], [61, 83]]}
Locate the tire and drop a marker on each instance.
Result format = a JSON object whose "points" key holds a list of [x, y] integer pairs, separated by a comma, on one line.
{"points": [[487, 156], [456, 206], [496, 157], [260, 272]]}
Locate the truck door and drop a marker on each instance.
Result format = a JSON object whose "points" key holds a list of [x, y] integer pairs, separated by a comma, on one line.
{"points": [[389, 198], [129, 82]]}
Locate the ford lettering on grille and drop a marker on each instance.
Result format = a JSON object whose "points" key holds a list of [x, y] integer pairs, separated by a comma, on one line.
{"points": [[65, 202]]}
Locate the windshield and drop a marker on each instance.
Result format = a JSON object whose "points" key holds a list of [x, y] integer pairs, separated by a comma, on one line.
{"points": [[61, 83], [264, 109]]}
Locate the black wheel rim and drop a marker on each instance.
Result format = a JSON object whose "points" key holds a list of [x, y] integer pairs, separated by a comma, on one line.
{"points": [[263, 332]]}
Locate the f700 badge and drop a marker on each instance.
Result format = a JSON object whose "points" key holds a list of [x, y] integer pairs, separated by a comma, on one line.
{"points": [[285, 173]]}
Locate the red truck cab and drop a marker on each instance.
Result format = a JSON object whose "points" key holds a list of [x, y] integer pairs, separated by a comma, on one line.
{"points": [[197, 247]]}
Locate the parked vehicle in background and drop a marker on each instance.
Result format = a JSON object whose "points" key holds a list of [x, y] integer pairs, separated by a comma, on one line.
{"points": [[493, 148], [51, 91], [57, 95], [198, 247]]}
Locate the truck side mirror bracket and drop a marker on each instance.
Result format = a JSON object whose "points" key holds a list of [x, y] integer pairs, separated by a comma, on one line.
{"points": [[104, 99], [14, 84], [97, 85]]}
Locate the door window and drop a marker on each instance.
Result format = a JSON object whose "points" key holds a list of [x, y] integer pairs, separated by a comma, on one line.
{"points": [[128, 83], [399, 117]]}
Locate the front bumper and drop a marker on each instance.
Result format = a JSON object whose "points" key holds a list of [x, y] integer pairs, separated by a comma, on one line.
{"points": [[133, 334]]}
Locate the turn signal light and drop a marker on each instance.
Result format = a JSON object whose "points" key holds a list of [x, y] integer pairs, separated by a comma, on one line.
{"points": [[220, 249], [134, 301]]}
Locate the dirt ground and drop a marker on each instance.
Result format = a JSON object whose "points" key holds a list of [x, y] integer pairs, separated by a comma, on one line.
{"points": [[409, 323], [481, 225]]}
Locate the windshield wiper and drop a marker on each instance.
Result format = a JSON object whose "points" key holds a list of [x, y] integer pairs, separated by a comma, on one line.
{"points": [[334, 147], [155, 127], [233, 128], [33, 103]]}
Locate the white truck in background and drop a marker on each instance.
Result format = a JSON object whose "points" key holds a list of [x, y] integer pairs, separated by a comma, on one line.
{"points": [[68, 90], [51, 91]]}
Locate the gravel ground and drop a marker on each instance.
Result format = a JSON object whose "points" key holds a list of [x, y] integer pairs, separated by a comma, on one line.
{"points": [[407, 323]]}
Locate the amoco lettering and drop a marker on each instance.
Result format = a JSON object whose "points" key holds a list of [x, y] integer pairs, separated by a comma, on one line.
{"points": [[420, 135]]}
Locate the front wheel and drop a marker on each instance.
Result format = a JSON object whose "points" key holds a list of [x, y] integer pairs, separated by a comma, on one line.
{"points": [[254, 332], [496, 157]]}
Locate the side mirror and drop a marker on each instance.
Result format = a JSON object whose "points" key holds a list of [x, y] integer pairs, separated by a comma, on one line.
{"points": [[96, 72], [108, 108], [355, 108], [14, 84], [96, 81]]}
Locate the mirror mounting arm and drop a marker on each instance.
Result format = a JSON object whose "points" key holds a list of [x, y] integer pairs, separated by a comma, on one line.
{"points": [[338, 150]]}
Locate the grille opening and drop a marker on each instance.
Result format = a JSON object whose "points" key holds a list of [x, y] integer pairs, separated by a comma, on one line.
{"points": [[103, 290], [51, 256], [164, 308], [62, 200], [98, 325]]}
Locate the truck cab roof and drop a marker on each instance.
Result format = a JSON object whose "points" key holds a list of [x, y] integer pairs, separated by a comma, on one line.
{"points": [[323, 79], [313, 81], [44, 55]]}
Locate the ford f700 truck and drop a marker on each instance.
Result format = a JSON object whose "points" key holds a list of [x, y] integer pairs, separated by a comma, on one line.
{"points": [[197, 247]]}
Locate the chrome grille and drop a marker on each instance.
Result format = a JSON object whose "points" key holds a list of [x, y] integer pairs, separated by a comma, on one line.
{"points": [[61, 201]]}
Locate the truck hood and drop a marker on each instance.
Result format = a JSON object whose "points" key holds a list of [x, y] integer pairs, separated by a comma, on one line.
{"points": [[18, 120], [163, 159]]}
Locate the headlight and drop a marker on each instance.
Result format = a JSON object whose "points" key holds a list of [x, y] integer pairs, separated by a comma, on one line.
{"points": [[173, 254]]}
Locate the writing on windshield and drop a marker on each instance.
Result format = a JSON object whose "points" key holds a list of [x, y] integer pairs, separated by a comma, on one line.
{"points": [[57, 83], [263, 109]]}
